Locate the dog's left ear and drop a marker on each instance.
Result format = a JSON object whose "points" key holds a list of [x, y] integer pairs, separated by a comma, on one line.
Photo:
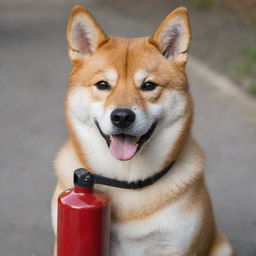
{"points": [[173, 36]]}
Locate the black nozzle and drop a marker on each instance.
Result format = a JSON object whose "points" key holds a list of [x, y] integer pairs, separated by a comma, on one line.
{"points": [[83, 178]]}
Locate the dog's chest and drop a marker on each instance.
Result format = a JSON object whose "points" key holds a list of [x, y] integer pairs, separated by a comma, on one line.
{"points": [[169, 232]]}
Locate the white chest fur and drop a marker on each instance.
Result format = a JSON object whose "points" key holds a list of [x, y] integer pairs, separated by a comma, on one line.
{"points": [[168, 232]]}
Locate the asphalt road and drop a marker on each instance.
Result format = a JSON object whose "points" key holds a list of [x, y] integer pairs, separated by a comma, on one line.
{"points": [[33, 72]]}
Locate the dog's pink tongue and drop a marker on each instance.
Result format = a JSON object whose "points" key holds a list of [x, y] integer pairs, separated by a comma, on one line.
{"points": [[123, 147]]}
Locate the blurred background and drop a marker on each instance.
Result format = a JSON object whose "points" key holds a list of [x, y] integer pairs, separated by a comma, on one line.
{"points": [[33, 77]]}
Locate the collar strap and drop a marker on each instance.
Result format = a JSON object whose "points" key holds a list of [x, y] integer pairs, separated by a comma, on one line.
{"points": [[85, 179]]}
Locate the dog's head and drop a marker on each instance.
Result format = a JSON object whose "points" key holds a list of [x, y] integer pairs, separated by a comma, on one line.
{"points": [[126, 88]]}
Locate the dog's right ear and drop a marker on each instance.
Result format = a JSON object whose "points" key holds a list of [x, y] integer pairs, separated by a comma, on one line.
{"points": [[84, 34]]}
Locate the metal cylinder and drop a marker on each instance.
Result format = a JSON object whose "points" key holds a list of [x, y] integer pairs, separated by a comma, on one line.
{"points": [[83, 219]]}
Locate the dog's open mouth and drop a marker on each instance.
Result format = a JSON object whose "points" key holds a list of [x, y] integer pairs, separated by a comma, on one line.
{"points": [[124, 146]]}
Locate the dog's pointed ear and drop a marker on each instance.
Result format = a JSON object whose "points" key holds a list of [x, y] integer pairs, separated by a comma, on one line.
{"points": [[173, 36], [84, 35]]}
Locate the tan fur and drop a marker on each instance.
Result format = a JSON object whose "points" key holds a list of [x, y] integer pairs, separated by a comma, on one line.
{"points": [[126, 57], [220, 242]]}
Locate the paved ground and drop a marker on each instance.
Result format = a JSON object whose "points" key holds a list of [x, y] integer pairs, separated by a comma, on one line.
{"points": [[33, 72]]}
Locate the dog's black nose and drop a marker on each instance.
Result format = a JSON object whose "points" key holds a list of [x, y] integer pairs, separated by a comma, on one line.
{"points": [[122, 117]]}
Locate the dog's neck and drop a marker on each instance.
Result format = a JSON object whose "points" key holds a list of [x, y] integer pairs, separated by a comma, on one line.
{"points": [[163, 148]]}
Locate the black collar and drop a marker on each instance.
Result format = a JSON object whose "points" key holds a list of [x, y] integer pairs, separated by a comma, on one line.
{"points": [[85, 179]]}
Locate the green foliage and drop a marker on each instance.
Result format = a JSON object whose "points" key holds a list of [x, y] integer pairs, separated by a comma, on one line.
{"points": [[249, 65], [252, 88], [250, 53], [203, 3], [244, 68]]}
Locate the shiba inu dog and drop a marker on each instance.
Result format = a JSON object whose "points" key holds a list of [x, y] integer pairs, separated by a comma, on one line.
{"points": [[129, 114]]}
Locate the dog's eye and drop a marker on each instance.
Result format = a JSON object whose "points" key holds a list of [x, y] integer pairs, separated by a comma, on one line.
{"points": [[148, 86], [103, 85]]}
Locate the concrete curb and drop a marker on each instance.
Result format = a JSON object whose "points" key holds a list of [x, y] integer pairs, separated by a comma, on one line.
{"points": [[222, 83]]}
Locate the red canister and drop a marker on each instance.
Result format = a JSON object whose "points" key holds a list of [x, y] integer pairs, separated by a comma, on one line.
{"points": [[83, 219]]}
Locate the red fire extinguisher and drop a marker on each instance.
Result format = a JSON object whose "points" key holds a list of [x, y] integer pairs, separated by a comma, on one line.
{"points": [[83, 219], [84, 214]]}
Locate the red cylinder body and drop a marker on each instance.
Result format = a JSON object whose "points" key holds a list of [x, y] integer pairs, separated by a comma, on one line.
{"points": [[83, 223]]}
